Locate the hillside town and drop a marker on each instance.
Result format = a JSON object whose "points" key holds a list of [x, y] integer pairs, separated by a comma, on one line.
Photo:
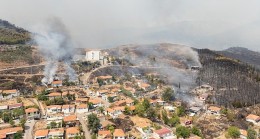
{"points": [[134, 106]]}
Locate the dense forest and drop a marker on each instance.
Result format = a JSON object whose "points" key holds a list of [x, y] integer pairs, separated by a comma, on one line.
{"points": [[236, 84], [10, 34]]}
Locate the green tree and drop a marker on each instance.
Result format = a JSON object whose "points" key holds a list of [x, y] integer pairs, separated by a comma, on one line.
{"points": [[6, 116], [17, 112], [100, 82], [111, 128], [168, 94], [182, 131], [127, 110], [136, 101], [251, 134], [173, 121], [146, 104], [94, 136], [11, 122], [90, 105], [139, 110], [101, 109], [22, 123], [233, 132], [196, 131], [18, 135], [165, 117], [151, 113], [180, 111], [78, 137], [110, 99], [53, 124], [93, 123]]}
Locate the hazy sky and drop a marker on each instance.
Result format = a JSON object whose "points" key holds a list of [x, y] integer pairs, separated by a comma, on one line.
{"points": [[215, 24]]}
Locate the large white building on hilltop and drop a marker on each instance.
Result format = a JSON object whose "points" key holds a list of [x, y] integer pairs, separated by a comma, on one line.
{"points": [[93, 55]]}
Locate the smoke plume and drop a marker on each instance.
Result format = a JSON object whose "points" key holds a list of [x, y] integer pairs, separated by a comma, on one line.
{"points": [[56, 46], [173, 62]]}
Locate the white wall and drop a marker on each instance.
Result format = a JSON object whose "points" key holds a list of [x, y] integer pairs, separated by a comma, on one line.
{"points": [[93, 55]]}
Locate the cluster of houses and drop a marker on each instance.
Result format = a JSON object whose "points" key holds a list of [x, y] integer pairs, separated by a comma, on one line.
{"points": [[68, 133], [66, 121], [115, 104]]}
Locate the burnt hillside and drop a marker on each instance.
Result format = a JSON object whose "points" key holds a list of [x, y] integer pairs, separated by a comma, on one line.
{"points": [[236, 83]]}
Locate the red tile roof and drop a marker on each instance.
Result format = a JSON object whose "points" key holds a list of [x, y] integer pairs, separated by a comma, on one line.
{"points": [[11, 130], [57, 82], [253, 117], [41, 133], [29, 110], [10, 91], [72, 130], [119, 133], [162, 131], [70, 118]]}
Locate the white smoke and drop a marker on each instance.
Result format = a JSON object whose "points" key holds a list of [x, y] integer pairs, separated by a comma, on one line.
{"points": [[173, 62], [56, 46]]}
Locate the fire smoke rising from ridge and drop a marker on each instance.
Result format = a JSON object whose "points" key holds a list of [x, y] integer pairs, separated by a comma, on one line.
{"points": [[56, 45], [171, 61]]}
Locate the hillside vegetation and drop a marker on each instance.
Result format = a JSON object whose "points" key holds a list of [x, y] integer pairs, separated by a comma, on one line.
{"points": [[19, 54], [10, 34], [13, 47], [243, 54], [236, 84]]}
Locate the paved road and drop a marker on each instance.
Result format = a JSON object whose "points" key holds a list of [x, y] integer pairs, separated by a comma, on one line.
{"points": [[29, 129], [84, 126]]}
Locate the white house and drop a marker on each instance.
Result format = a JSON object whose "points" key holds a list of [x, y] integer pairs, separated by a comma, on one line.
{"points": [[32, 113], [214, 110], [82, 108], [96, 102], [68, 109], [52, 109], [56, 133], [9, 94], [93, 55], [56, 83], [102, 94], [253, 119], [72, 132], [3, 107], [41, 134], [163, 133], [57, 118], [114, 112]]}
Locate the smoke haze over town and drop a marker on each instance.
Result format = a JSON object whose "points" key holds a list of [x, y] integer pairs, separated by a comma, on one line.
{"points": [[100, 24]]}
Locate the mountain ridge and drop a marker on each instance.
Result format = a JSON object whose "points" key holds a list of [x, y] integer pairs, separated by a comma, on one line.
{"points": [[243, 54]]}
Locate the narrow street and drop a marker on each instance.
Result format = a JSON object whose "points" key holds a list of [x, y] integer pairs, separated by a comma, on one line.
{"points": [[84, 126], [39, 104], [29, 129]]}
